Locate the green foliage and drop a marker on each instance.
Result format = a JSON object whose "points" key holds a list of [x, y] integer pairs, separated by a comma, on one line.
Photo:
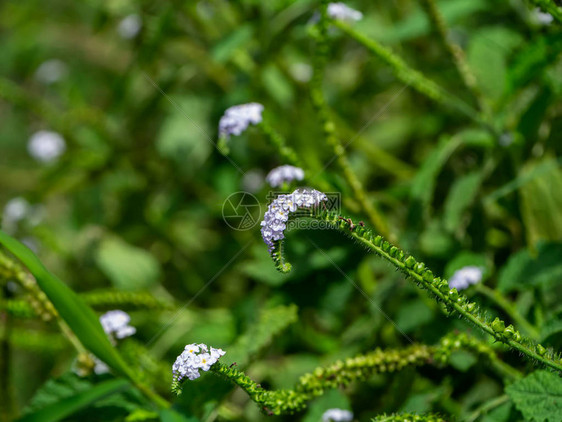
{"points": [[538, 396], [408, 417], [436, 122]]}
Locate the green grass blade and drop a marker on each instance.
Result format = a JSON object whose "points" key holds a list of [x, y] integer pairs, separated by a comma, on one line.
{"points": [[68, 406], [72, 309]]}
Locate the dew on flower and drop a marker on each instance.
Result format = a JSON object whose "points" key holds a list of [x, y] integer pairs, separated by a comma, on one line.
{"points": [[284, 174], [465, 277]]}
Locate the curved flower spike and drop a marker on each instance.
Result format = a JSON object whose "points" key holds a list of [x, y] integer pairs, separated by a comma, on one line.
{"points": [[275, 220]]}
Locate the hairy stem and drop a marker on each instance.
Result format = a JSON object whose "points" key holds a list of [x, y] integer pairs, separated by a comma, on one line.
{"points": [[412, 77], [438, 288], [509, 309], [358, 368], [329, 127], [454, 50]]}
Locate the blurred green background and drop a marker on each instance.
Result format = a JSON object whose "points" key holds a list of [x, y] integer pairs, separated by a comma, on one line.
{"points": [[134, 204]]}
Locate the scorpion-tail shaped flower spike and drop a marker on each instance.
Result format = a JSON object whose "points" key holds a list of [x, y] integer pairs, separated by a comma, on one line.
{"points": [[337, 415], [465, 277], [341, 12], [193, 358], [275, 219], [284, 174], [236, 119]]}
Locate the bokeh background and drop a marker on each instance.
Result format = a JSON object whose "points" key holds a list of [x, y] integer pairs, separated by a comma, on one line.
{"points": [[134, 204]]}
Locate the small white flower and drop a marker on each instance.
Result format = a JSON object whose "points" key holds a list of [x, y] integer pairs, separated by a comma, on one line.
{"points": [[100, 367], [342, 12], [252, 181], [236, 119], [116, 323], [16, 209], [130, 26], [543, 18], [51, 71], [465, 277], [274, 221], [46, 146], [192, 359], [337, 415], [284, 174]]}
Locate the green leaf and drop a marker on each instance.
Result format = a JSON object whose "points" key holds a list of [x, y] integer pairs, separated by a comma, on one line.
{"points": [[487, 55], [423, 185], [128, 267], [538, 396], [524, 271], [72, 309], [541, 201], [461, 196], [67, 406]]}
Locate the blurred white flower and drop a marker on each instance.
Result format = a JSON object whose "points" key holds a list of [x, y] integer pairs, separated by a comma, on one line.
{"points": [[302, 72], [252, 181], [465, 277], [116, 324], [100, 367], [342, 12], [337, 415], [15, 210], [236, 119], [130, 26], [284, 174], [543, 18], [51, 71], [193, 358], [46, 146]]}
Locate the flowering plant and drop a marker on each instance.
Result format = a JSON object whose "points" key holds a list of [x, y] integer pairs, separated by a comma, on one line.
{"points": [[317, 211]]}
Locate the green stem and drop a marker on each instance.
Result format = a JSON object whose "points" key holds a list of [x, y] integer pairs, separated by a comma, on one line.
{"points": [[439, 288], [329, 127], [454, 50], [486, 407], [509, 309], [358, 368], [280, 144], [412, 77]]}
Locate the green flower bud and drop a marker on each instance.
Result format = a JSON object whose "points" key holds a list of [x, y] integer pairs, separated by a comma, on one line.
{"points": [[428, 276], [385, 246], [410, 262], [540, 349], [509, 331], [498, 325]]}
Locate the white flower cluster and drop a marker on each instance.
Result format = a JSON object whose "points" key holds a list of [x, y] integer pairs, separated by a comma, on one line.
{"points": [[282, 174], [46, 146], [342, 12], [337, 415], [130, 26], [236, 119], [116, 324], [277, 214], [543, 18], [465, 277], [193, 358]]}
